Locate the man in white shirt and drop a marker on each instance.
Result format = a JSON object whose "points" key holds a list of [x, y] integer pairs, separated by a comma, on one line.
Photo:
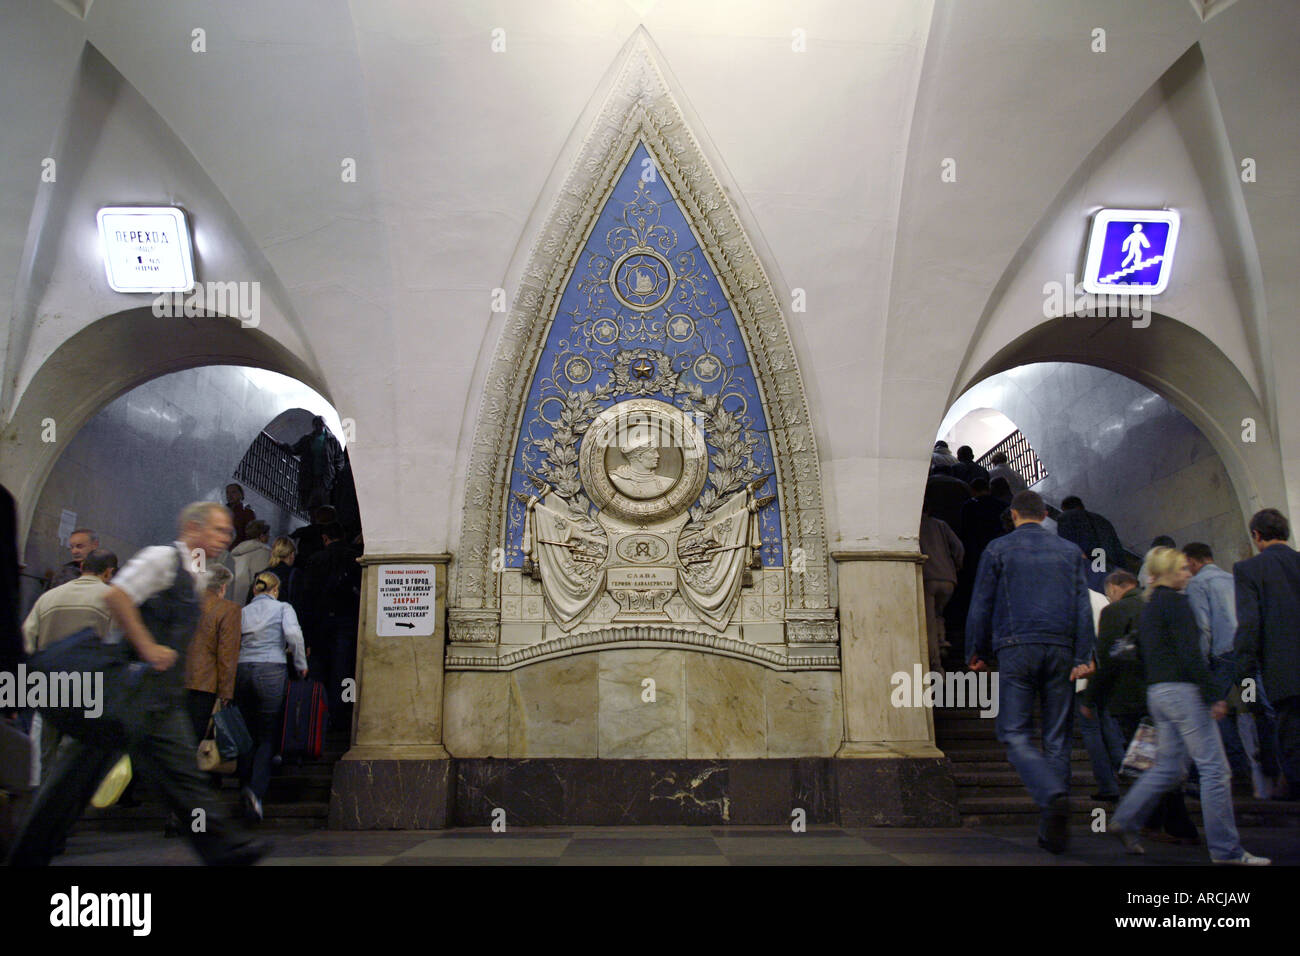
{"points": [[156, 599]]}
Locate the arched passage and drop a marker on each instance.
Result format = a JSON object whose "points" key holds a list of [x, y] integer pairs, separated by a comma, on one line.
{"points": [[109, 358], [1180, 365]]}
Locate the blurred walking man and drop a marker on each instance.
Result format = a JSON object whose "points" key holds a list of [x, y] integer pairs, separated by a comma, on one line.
{"points": [[156, 600]]}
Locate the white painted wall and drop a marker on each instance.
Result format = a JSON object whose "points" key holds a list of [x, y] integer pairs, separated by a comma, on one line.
{"points": [[381, 289]]}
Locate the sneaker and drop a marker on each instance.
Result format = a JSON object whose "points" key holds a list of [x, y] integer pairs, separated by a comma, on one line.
{"points": [[1246, 859], [1130, 841]]}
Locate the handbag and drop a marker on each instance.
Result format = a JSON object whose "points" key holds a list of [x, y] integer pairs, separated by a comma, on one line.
{"points": [[121, 719], [1141, 753], [209, 756], [232, 737], [113, 784]]}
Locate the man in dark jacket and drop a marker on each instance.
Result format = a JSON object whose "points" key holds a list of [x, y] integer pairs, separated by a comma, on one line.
{"points": [[1095, 537], [1031, 608], [944, 496], [334, 600], [321, 461], [1268, 630], [1119, 689], [966, 469]]}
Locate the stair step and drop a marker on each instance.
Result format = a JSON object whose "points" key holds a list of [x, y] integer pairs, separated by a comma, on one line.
{"points": [[996, 753]]}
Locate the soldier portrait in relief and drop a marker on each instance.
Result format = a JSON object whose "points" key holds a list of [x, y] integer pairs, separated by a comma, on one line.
{"points": [[637, 479]]}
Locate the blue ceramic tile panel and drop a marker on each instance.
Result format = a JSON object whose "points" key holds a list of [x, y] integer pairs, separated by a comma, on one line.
{"points": [[643, 296]]}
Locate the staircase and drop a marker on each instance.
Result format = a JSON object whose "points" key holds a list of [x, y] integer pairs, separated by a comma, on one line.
{"points": [[297, 798], [989, 791]]}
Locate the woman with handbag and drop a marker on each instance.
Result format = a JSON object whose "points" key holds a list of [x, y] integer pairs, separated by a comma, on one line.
{"points": [[1119, 690], [1181, 701], [269, 627]]}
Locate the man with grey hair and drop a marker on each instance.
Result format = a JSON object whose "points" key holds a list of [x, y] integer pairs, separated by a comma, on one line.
{"points": [[81, 542], [156, 600]]}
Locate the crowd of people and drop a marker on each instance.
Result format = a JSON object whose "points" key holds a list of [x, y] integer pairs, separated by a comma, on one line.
{"points": [[1210, 658], [224, 615]]}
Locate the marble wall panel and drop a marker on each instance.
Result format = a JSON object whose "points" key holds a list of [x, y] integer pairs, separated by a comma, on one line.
{"points": [[706, 706], [725, 707], [882, 632], [630, 726], [476, 716], [805, 714], [553, 708]]}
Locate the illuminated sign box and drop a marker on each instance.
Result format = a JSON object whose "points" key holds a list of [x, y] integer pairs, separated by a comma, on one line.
{"points": [[146, 249], [1131, 251]]}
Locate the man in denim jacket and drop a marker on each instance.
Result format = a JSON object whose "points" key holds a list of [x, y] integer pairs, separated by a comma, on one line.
{"points": [[1031, 608]]}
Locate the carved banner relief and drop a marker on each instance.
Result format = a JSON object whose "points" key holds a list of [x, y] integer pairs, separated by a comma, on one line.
{"points": [[643, 463]]}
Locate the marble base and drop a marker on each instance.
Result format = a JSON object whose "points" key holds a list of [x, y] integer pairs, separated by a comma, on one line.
{"points": [[390, 794], [913, 792], [559, 791]]}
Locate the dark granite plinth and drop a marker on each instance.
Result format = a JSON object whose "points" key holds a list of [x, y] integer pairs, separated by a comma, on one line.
{"points": [[906, 792], [576, 792], [540, 792], [390, 795]]}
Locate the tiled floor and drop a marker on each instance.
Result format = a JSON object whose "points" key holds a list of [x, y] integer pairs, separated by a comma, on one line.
{"points": [[674, 846]]}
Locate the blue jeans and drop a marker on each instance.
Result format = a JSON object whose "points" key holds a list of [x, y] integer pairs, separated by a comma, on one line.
{"points": [[259, 693], [1029, 672], [1105, 746], [1185, 729]]}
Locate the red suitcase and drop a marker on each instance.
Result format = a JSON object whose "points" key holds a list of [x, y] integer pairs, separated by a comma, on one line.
{"points": [[305, 714]]}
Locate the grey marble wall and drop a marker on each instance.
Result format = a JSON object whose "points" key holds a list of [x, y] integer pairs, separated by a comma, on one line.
{"points": [[173, 440], [1128, 453]]}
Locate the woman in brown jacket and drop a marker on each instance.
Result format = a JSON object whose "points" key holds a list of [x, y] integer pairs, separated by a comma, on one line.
{"points": [[214, 652]]}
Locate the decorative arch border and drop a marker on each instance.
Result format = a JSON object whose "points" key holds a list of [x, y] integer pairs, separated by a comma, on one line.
{"points": [[621, 638], [641, 107]]}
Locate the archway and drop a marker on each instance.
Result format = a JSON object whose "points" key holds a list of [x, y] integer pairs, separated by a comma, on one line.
{"points": [[105, 361], [1181, 366]]}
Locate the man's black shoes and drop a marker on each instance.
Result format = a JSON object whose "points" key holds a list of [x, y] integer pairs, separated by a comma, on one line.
{"points": [[1056, 826]]}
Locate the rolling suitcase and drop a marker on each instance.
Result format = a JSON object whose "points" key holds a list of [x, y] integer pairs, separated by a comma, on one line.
{"points": [[305, 713]]}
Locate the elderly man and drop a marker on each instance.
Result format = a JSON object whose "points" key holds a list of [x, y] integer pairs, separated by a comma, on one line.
{"points": [[1032, 609], [156, 599], [81, 542]]}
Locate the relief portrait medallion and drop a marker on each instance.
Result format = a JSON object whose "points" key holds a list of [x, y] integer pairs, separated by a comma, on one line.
{"points": [[643, 461]]}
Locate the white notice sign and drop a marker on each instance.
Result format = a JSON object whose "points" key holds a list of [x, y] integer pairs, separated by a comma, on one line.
{"points": [[67, 525], [406, 600], [146, 249]]}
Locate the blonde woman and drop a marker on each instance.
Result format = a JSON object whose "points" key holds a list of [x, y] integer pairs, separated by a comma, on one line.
{"points": [[1181, 700], [268, 628], [283, 555]]}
